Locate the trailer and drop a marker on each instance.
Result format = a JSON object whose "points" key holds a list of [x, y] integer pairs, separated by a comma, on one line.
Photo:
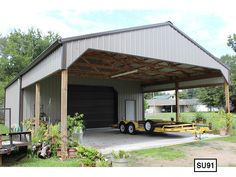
{"points": [[160, 126]]}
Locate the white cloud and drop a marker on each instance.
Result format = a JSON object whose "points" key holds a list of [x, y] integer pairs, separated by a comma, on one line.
{"points": [[184, 13]]}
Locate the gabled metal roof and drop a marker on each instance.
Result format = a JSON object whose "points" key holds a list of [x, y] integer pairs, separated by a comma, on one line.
{"points": [[62, 41], [92, 35]]}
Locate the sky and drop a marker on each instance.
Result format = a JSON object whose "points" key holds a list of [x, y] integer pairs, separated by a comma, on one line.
{"points": [[208, 22]]}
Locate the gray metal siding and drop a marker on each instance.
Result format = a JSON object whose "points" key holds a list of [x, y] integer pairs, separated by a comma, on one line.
{"points": [[28, 102], [49, 65], [12, 101], [126, 91], [162, 42], [50, 90], [50, 99]]}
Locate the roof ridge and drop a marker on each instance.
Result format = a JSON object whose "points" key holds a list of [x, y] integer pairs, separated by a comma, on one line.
{"points": [[120, 30]]}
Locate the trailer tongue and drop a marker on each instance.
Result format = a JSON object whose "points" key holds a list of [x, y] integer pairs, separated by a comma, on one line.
{"points": [[150, 126]]}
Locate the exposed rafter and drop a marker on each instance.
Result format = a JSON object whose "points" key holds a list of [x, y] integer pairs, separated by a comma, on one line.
{"points": [[103, 65]]}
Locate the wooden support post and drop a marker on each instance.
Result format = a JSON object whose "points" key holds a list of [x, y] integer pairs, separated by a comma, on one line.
{"points": [[0, 160], [226, 88], [21, 104], [37, 105], [64, 85], [0, 141], [177, 102]]}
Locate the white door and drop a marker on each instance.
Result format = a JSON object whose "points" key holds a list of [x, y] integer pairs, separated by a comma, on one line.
{"points": [[130, 109]]}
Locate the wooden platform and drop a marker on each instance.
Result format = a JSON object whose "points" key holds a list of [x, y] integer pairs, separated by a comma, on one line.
{"points": [[13, 141]]}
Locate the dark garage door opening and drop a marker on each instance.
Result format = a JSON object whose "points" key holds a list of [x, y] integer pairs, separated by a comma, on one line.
{"points": [[97, 103]]}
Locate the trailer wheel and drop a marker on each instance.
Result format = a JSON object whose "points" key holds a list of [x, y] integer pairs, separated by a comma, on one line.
{"points": [[131, 128], [122, 127], [148, 126]]}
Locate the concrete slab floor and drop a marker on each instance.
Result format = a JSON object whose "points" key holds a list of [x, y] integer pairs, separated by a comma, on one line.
{"points": [[109, 139]]}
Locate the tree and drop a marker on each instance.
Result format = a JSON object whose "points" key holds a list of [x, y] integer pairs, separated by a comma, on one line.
{"points": [[232, 42], [18, 49], [230, 61], [211, 96], [22, 48], [188, 94], [214, 96]]}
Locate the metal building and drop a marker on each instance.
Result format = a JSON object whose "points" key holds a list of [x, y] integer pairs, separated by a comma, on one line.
{"points": [[104, 75]]}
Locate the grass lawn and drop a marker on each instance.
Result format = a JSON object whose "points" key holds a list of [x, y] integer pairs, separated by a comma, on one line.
{"points": [[177, 155], [51, 162], [231, 139], [189, 116], [183, 155], [163, 153], [3, 129]]}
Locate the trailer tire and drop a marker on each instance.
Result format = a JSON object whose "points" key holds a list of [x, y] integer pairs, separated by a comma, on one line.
{"points": [[122, 127], [131, 128], [148, 126]]}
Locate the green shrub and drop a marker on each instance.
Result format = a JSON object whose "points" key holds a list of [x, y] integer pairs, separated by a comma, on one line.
{"points": [[53, 137], [39, 134], [28, 125], [199, 118], [120, 155], [183, 119], [192, 108], [49, 134], [90, 156], [75, 123], [221, 120], [102, 163], [87, 162]]}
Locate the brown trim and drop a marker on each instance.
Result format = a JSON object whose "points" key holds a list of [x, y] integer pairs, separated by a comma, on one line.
{"points": [[226, 90], [198, 86], [20, 103], [212, 75], [4, 106], [177, 101], [37, 105], [143, 118]]}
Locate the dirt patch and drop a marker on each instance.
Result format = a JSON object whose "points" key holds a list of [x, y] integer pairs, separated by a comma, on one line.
{"points": [[225, 152]]}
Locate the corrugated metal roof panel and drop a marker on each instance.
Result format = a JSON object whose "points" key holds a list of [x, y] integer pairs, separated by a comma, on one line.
{"points": [[157, 41]]}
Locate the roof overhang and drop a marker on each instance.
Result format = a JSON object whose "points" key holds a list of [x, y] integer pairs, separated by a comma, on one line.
{"points": [[162, 54]]}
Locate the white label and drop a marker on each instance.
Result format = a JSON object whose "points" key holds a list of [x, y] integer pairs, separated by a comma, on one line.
{"points": [[205, 165]]}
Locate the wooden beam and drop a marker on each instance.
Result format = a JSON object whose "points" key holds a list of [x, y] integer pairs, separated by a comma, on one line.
{"points": [[21, 105], [37, 105], [89, 64], [177, 102], [202, 76], [226, 88], [0, 160], [64, 88], [0, 141]]}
